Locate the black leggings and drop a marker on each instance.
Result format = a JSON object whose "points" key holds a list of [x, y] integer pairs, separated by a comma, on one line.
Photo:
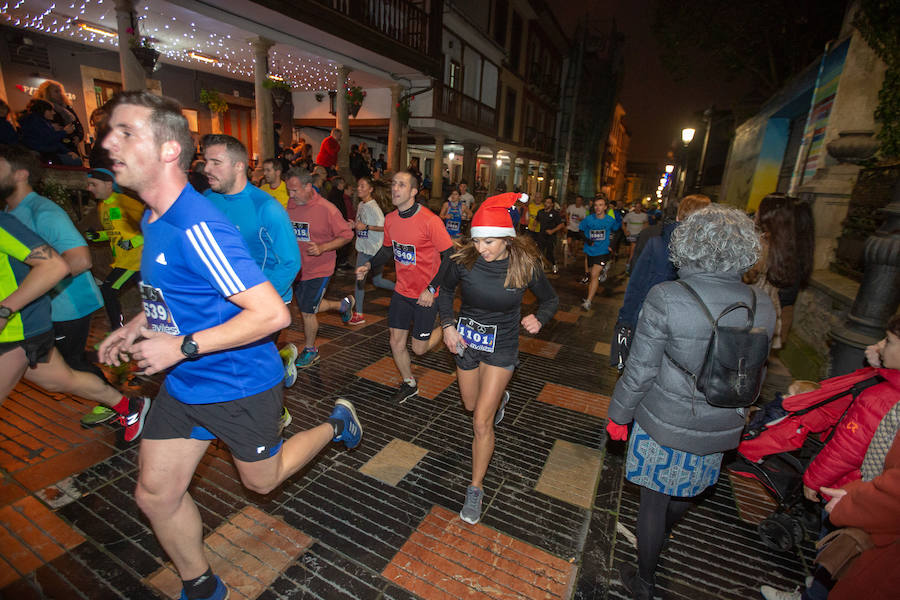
{"points": [[657, 514], [110, 290], [547, 245], [71, 341]]}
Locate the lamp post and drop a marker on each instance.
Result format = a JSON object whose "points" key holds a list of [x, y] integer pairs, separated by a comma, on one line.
{"points": [[707, 118], [687, 136]]}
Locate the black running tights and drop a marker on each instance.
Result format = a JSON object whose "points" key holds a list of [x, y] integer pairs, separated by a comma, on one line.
{"points": [[657, 514]]}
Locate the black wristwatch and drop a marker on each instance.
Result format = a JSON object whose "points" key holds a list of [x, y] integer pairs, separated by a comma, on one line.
{"points": [[431, 289], [6, 312], [189, 347]]}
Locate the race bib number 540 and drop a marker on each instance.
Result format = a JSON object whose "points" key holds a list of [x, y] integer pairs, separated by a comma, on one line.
{"points": [[159, 317], [404, 254]]}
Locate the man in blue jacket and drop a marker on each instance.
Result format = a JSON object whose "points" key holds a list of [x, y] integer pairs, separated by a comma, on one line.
{"points": [[597, 229], [260, 218]]}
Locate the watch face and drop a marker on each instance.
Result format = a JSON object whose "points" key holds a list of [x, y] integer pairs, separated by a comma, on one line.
{"points": [[5, 312]]}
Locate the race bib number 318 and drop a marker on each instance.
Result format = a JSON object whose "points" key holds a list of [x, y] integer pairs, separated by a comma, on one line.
{"points": [[404, 254], [159, 317]]}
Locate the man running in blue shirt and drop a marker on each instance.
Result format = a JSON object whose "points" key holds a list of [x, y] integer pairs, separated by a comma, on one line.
{"points": [[262, 221], [597, 229], [209, 313]]}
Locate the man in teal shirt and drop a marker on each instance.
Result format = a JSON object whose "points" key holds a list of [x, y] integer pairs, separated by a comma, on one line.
{"points": [[73, 299], [260, 218]]}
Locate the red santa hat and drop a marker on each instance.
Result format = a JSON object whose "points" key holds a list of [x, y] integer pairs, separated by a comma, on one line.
{"points": [[492, 218]]}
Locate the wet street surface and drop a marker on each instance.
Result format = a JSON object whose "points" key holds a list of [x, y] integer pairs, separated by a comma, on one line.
{"points": [[381, 521]]}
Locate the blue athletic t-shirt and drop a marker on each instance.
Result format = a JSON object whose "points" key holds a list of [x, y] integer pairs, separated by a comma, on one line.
{"points": [[599, 231], [454, 219], [194, 260], [73, 297], [266, 229]]}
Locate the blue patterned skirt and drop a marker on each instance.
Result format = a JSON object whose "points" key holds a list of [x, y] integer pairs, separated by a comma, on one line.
{"points": [[666, 470]]}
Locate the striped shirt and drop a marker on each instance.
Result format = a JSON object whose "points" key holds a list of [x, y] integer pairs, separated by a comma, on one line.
{"points": [[194, 259]]}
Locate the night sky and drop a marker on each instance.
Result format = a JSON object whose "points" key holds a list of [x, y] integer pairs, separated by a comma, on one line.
{"points": [[656, 106]]}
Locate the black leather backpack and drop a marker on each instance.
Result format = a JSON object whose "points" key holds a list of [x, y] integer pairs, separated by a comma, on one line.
{"points": [[732, 371]]}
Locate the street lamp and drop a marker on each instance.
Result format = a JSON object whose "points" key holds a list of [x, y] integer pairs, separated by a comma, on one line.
{"points": [[687, 135], [451, 156], [670, 168], [499, 163]]}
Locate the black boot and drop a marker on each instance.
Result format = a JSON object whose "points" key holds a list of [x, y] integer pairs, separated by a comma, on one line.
{"points": [[634, 585]]}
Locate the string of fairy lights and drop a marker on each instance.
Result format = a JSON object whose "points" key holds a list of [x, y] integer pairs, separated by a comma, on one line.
{"points": [[171, 31]]}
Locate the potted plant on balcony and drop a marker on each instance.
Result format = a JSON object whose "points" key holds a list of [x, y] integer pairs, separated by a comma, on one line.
{"points": [[214, 101], [280, 89], [143, 50], [403, 110], [355, 96]]}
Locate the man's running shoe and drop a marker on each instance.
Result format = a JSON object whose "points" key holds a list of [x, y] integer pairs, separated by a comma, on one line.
{"points": [[586, 279], [284, 421], [586, 305], [221, 592], [405, 392], [347, 305], [352, 432], [307, 358], [100, 414], [501, 412], [357, 319], [604, 272], [288, 356], [471, 510], [134, 420]]}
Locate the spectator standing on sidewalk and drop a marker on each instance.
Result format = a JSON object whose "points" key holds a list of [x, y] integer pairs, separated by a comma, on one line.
{"points": [[328, 151], [64, 115]]}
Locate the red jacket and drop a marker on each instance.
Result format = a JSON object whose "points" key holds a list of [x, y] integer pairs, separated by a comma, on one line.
{"points": [[328, 152], [873, 506], [839, 461]]}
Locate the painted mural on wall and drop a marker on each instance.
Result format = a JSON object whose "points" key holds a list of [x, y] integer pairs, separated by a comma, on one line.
{"points": [[826, 90]]}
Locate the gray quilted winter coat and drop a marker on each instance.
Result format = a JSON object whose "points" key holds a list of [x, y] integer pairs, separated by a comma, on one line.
{"points": [[659, 396]]}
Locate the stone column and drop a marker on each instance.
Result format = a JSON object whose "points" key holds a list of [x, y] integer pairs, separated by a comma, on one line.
{"points": [[437, 170], [133, 76], [401, 152], [468, 167], [265, 133], [343, 119], [394, 127], [492, 185], [511, 176]]}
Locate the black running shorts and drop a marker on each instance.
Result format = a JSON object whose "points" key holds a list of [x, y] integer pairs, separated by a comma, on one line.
{"points": [[596, 260], [248, 426], [404, 311], [472, 358], [37, 348]]}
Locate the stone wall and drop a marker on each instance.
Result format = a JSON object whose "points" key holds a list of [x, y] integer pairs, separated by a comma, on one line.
{"points": [[823, 305]]}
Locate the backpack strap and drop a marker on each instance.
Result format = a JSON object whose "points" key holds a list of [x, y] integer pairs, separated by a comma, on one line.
{"points": [[693, 292]]}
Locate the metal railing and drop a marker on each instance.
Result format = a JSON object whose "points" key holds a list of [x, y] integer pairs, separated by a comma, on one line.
{"points": [[399, 20], [454, 106]]}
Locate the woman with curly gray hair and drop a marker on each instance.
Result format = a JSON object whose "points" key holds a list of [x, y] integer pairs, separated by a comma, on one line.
{"points": [[677, 440]]}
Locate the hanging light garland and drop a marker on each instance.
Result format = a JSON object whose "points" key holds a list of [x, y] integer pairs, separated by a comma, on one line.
{"points": [[176, 37]]}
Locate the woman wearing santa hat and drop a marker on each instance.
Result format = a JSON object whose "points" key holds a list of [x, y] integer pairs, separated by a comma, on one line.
{"points": [[493, 269]]}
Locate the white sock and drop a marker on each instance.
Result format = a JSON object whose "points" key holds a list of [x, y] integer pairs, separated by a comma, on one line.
{"points": [[411, 381]]}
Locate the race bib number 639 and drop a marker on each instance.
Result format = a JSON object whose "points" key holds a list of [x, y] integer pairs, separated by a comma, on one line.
{"points": [[159, 317]]}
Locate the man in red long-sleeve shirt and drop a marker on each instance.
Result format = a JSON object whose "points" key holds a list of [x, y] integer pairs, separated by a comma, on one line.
{"points": [[328, 151]]}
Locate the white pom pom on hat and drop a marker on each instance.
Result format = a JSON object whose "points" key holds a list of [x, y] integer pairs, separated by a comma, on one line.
{"points": [[492, 219]]}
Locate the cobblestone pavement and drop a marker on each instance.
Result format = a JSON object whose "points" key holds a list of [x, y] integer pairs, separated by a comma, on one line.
{"points": [[380, 522]]}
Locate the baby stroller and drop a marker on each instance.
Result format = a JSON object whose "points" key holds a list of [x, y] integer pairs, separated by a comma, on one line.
{"points": [[776, 449]]}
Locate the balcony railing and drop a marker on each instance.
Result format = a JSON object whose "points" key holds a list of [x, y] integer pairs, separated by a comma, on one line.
{"points": [[400, 20], [538, 140], [456, 107]]}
